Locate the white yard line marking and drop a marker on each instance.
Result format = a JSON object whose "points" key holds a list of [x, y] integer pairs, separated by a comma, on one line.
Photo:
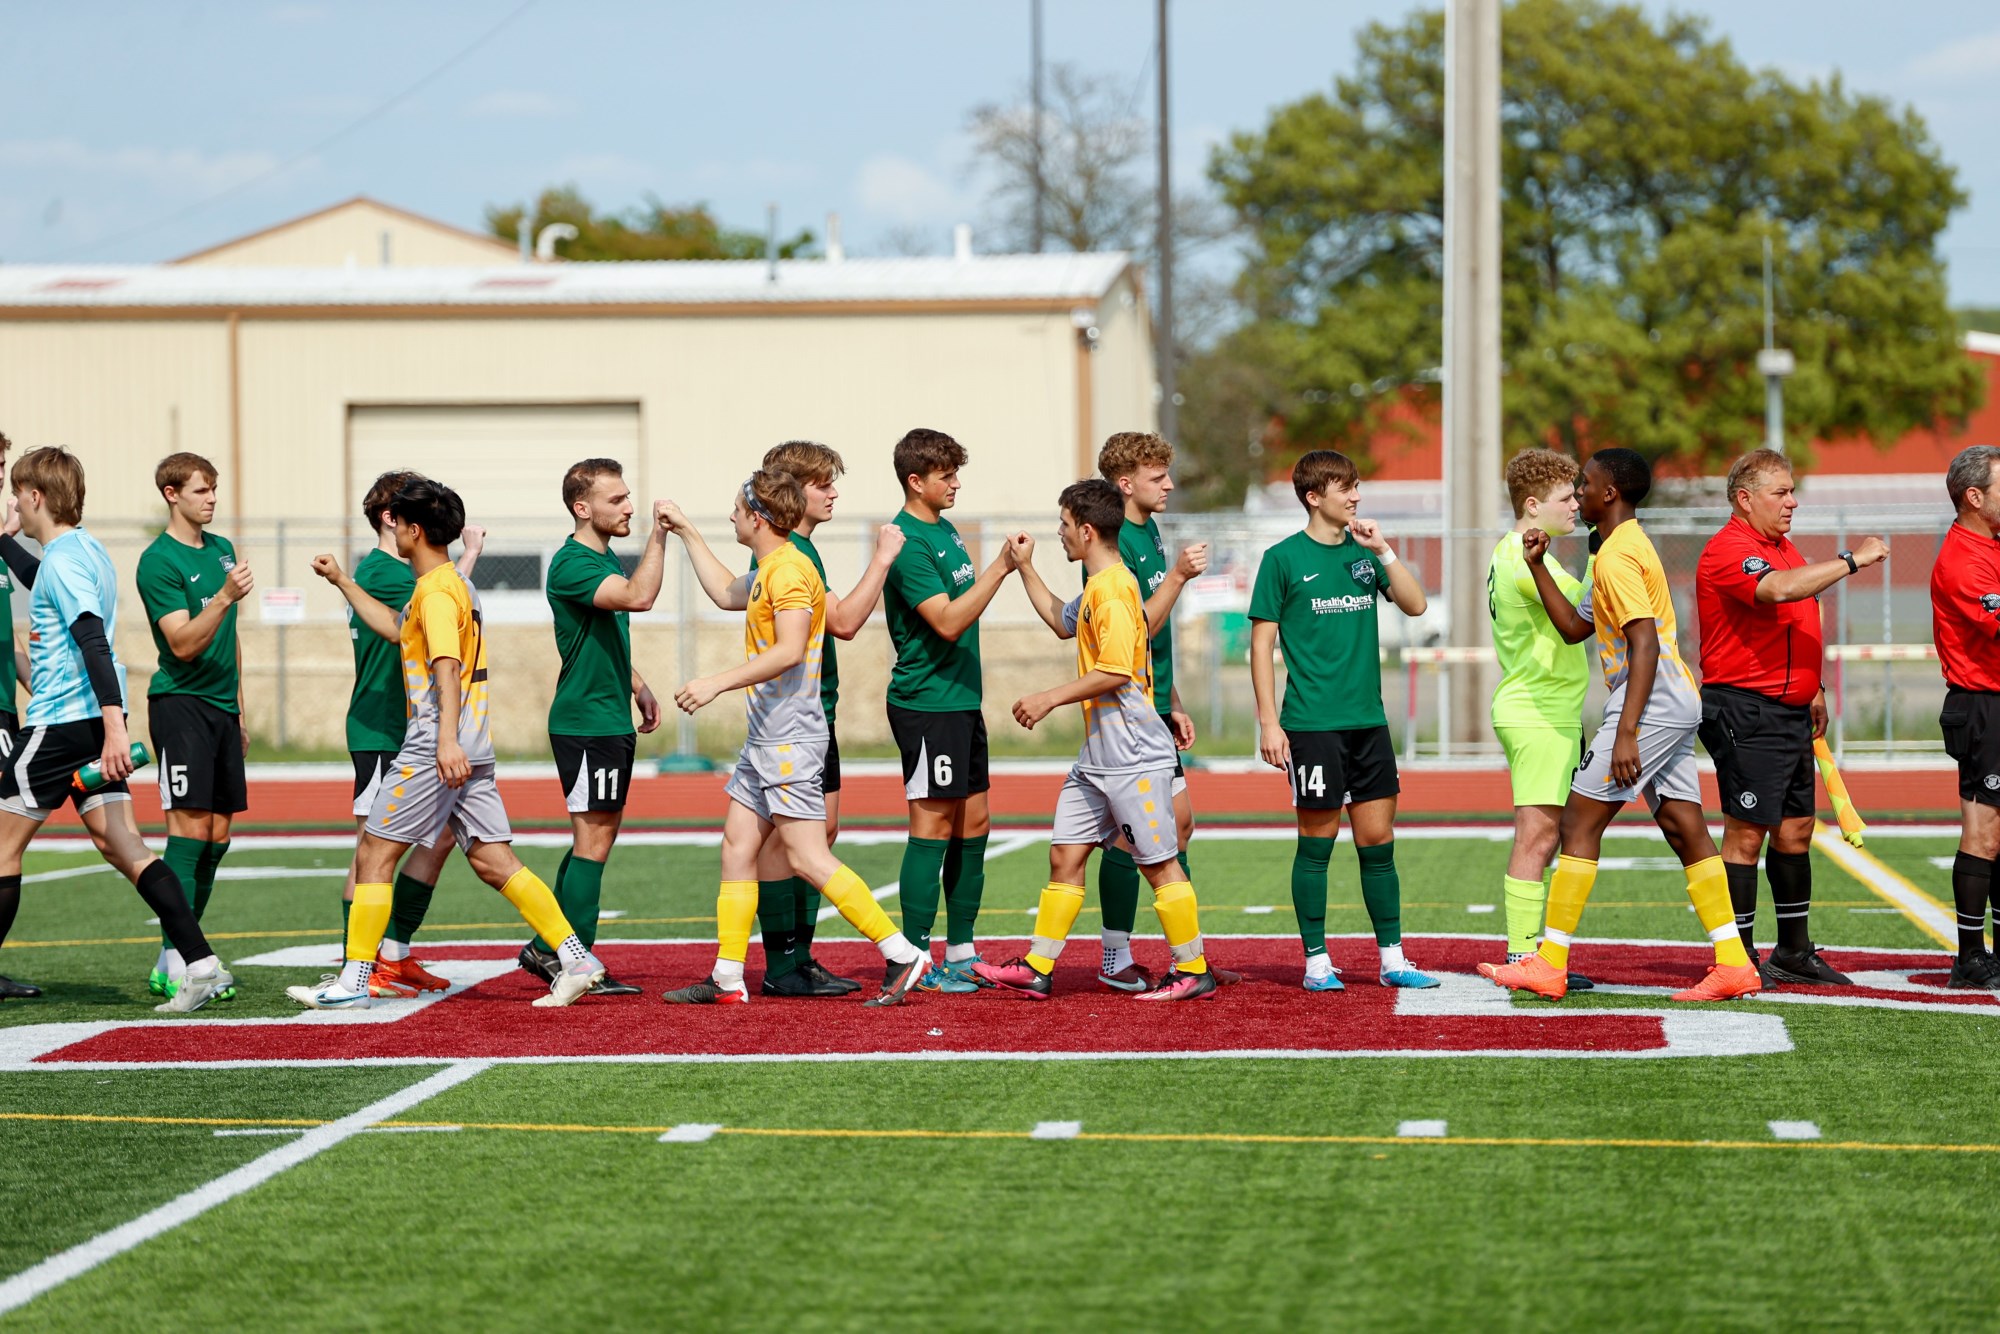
{"points": [[1255, 910], [1056, 1130], [694, 1132], [1479, 907], [1420, 1129], [1794, 1130], [67, 873], [60, 1268], [1929, 916]]}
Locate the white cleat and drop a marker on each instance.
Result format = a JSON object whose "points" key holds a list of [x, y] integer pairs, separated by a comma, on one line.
{"points": [[329, 995], [569, 986], [198, 986]]}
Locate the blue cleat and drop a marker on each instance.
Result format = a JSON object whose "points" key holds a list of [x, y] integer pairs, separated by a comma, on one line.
{"points": [[1331, 982], [953, 977], [1409, 979]]}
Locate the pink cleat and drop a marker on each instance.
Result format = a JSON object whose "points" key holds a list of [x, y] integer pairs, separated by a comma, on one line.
{"points": [[1016, 975], [1179, 986]]}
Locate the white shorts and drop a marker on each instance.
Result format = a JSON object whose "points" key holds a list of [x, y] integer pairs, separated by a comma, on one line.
{"points": [[783, 779], [1666, 766], [1136, 804]]}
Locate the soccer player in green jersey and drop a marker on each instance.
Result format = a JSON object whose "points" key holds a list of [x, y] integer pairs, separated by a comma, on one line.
{"points": [[590, 719], [377, 715], [1538, 708], [190, 582], [933, 600], [787, 903], [1315, 594]]}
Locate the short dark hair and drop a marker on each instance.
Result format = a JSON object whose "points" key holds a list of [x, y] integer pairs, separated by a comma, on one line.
{"points": [[1096, 502], [431, 506], [176, 469], [1321, 468], [382, 491], [1628, 471], [922, 452], [582, 476], [1972, 467]]}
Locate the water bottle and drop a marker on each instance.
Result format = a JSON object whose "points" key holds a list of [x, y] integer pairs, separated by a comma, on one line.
{"points": [[90, 778]]}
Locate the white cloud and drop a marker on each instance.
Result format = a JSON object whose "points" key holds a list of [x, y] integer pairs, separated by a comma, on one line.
{"points": [[515, 104], [906, 192], [1961, 59], [185, 169]]}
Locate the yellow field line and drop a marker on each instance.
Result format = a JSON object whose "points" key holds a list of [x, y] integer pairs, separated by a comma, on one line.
{"points": [[1104, 1137]]}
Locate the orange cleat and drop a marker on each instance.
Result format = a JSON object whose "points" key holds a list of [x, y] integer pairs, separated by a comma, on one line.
{"points": [[385, 984], [1533, 973], [1723, 983], [411, 974]]}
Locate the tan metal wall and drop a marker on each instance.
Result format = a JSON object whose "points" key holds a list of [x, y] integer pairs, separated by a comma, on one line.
{"points": [[353, 234]]}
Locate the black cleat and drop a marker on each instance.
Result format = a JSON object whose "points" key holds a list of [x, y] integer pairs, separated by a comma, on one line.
{"points": [[899, 979], [1578, 982], [798, 983], [1978, 971], [12, 990], [707, 992], [1771, 980], [1804, 967], [818, 974], [542, 963], [611, 986]]}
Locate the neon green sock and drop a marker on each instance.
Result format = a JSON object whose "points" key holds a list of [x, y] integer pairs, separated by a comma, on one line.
{"points": [[1118, 890], [1382, 891], [921, 887], [1309, 862], [964, 886], [183, 857], [1525, 900]]}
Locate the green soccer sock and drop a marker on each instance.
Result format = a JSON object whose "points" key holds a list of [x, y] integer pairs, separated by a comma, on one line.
{"points": [[1118, 890], [1186, 870], [777, 913], [204, 874], [408, 903], [920, 887], [183, 857], [580, 894], [1525, 900], [1309, 862], [562, 874], [964, 886], [805, 920], [346, 906], [1382, 891]]}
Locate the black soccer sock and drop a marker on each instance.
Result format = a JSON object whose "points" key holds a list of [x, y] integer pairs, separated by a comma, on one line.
{"points": [[10, 903], [161, 889], [1743, 900], [1971, 886], [1790, 874]]}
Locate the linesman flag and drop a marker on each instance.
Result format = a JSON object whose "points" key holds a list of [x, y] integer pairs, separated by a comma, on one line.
{"points": [[1851, 826]]}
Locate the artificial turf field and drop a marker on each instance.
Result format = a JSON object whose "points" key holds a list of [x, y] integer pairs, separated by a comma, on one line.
{"points": [[981, 1161]]}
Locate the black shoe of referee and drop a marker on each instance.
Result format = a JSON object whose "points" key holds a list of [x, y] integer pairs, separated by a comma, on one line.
{"points": [[12, 990], [1979, 971], [1803, 966]]}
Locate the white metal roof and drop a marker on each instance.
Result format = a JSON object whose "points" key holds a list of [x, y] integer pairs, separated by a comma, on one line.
{"points": [[1059, 277]]}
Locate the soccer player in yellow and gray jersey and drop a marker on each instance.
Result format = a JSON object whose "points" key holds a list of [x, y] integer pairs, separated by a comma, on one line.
{"points": [[777, 785], [1122, 782], [1645, 746], [443, 777]]}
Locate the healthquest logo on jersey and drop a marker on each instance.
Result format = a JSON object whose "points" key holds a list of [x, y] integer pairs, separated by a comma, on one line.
{"points": [[1346, 602]]}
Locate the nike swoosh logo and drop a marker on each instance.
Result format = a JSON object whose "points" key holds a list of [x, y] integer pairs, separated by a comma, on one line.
{"points": [[1138, 985], [1309, 578], [940, 553]]}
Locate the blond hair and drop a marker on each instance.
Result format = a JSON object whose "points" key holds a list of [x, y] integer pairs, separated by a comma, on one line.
{"points": [[807, 460], [58, 475]]}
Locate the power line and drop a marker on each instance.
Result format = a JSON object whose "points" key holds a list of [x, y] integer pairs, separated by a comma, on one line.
{"points": [[373, 114]]}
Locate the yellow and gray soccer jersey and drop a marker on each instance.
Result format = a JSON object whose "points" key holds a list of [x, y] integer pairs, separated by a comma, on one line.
{"points": [[787, 707], [1629, 583], [444, 620], [1122, 730]]}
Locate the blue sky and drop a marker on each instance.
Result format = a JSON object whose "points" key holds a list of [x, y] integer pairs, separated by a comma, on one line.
{"points": [[116, 117]]}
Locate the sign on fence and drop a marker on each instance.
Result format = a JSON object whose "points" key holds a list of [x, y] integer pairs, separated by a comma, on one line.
{"points": [[282, 606]]}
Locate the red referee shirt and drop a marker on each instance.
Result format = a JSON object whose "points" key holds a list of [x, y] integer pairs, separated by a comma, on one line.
{"points": [[1965, 609], [1772, 648]]}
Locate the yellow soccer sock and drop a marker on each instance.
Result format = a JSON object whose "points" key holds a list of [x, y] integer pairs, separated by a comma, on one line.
{"points": [[1180, 919], [536, 903], [1569, 890], [849, 893], [1708, 886], [1054, 916], [735, 913], [367, 921]]}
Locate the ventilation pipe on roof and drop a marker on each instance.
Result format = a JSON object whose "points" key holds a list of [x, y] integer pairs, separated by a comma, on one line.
{"points": [[545, 243], [385, 249], [835, 252], [771, 241], [526, 236], [961, 242]]}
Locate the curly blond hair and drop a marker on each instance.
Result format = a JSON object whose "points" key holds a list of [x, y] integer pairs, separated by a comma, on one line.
{"points": [[1128, 451]]}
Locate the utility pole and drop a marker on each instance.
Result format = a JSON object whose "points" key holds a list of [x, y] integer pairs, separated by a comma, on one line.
{"points": [[1035, 97], [1774, 363], [1471, 344], [1164, 242]]}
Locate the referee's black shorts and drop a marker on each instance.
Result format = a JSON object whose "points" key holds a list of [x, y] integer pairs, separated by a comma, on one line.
{"points": [[1970, 722], [1763, 754]]}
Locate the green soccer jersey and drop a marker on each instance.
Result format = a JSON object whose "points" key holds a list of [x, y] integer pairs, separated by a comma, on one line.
{"points": [[932, 674], [378, 712], [594, 688], [1543, 679], [174, 576], [1322, 599], [1145, 555], [10, 682], [829, 662]]}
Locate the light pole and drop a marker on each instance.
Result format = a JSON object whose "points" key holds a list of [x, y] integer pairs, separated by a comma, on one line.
{"points": [[1774, 363]]}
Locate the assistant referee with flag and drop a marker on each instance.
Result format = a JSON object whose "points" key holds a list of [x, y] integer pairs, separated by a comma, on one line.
{"points": [[1762, 703]]}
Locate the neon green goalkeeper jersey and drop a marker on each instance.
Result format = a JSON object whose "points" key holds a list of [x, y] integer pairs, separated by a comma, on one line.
{"points": [[1543, 679]]}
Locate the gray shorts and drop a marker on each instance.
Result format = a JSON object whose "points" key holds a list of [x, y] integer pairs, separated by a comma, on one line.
{"points": [[781, 780], [1666, 766], [413, 806], [1136, 804]]}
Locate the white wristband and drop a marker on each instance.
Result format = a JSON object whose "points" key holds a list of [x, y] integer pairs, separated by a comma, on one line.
{"points": [[1388, 558]]}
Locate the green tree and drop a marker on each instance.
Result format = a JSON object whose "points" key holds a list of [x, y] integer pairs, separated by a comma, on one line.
{"points": [[652, 230], [1643, 167]]}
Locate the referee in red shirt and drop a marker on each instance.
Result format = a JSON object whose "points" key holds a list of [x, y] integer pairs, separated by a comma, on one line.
{"points": [[1965, 626], [1762, 705]]}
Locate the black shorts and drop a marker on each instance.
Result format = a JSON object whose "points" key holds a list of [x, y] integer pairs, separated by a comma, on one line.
{"points": [[1180, 770], [1970, 722], [369, 766], [10, 733], [36, 779], [944, 754], [199, 749], [1763, 755], [1344, 768], [595, 771], [830, 776]]}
